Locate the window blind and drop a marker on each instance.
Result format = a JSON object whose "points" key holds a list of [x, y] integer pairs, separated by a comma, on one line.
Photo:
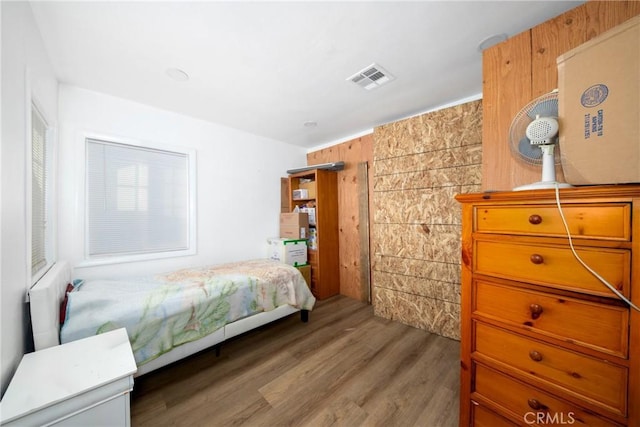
{"points": [[38, 192], [137, 200]]}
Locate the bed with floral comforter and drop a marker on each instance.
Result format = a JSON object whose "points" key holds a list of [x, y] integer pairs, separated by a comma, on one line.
{"points": [[161, 312]]}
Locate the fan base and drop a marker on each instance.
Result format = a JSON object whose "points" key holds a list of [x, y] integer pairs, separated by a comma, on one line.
{"points": [[540, 185]]}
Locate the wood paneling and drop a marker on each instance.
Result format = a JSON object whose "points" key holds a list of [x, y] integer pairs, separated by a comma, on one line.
{"points": [[352, 153], [420, 164], [604, 15], [364, 231], [506, 87], [549, 41], [523, 68]]}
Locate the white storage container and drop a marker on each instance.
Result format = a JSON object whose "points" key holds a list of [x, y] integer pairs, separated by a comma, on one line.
{"points": [[292, 252]]}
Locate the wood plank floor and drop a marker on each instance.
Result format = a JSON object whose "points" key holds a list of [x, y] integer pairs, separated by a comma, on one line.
{"points": [[345, 367]]}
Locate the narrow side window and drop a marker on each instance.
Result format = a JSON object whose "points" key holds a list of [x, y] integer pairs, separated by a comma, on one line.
{"points": [[41, 212]]}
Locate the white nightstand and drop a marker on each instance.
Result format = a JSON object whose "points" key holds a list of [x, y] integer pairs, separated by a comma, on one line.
{"points": [[81, 383]]}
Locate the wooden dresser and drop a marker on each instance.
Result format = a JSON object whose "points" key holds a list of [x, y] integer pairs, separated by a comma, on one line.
{"points": [[543, 342]]}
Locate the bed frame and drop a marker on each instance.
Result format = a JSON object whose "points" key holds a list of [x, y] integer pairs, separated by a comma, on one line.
{"points": [[46, 295]]}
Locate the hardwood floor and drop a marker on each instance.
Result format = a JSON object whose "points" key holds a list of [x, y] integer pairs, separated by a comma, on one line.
{"points": [[345, 367]]}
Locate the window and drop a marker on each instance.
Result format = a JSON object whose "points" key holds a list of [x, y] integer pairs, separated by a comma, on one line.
{"points": [[41, 212], [140, 202]]}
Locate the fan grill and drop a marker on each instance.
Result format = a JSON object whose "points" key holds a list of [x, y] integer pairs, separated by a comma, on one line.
{"points": [[521, 147], [538, 130]]}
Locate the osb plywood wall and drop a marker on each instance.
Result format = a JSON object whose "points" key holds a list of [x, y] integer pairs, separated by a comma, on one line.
{"points": [[353, 152], [420, 164]]}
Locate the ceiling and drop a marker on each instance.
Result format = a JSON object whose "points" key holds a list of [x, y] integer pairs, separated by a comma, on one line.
{"points": [[268, 68]]}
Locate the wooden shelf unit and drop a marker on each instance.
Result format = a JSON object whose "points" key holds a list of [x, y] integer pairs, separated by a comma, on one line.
{"points": [[324, 260], [540, 335]]}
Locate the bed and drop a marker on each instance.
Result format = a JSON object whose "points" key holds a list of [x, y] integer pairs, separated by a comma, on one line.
{"points": [[171, 315]]}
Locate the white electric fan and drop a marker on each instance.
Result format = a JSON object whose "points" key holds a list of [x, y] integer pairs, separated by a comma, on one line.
{"points": [[533, 137]]}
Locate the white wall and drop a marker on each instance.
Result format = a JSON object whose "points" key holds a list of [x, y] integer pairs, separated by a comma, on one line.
{"points": [[238, 179], [25, 68]]}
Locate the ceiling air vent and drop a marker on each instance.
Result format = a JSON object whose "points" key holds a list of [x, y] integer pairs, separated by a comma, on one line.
{"points": [[371, 77]]}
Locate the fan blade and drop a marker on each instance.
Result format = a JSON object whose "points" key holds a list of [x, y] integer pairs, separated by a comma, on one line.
{"points": [[529, 152]]}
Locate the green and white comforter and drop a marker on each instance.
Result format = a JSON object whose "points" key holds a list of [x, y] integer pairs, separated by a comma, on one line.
{"points": [[164, 311]]}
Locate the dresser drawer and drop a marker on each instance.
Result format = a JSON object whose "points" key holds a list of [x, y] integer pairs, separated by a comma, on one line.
{"points": [[605, 221], [593, 378], [555, 265], [599, 326], [529, 403], [483, 417]]}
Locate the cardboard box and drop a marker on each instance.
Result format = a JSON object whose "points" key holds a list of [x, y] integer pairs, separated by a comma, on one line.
{"points": [[305, 270], [599, 108], [310, 187], [292, 252], [294, 225]]}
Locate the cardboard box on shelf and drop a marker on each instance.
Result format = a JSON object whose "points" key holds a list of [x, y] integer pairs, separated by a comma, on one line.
{"points": [[599, 106], [289, 251], [294, 225], [310, 187]]}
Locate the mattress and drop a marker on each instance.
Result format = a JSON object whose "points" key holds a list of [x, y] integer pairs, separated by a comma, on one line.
{"points": [[164, 311]]}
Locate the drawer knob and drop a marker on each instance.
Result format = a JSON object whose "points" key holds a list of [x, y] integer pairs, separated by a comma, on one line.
{"points": [[535, 219], [535, 356], [536, 259], [536, 405], [536, 310]]}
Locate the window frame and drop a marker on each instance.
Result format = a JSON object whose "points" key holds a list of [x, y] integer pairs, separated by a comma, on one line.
{"points": [[34, 106], [190, 154]]}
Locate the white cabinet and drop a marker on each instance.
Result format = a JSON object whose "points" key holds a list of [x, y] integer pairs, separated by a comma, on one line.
{"points": [[84, 382]]}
